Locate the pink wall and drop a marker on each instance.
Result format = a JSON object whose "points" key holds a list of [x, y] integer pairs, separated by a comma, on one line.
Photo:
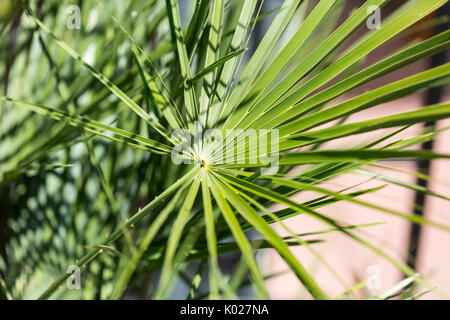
{"points": [[350, 259]]}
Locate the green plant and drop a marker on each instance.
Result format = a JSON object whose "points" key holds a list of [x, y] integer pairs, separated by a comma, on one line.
{"points": [[87, 138]]}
